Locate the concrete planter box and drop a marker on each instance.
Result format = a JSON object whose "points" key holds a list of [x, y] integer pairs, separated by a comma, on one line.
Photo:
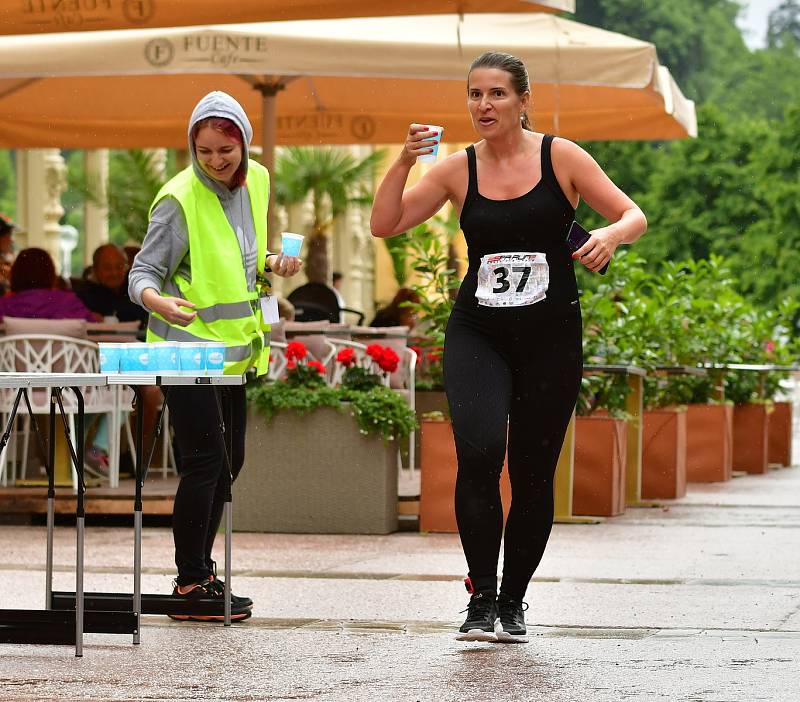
{"points": [[709, 443], [750, 437], [664, 454], [315, 474], [601, 457], [780, 434]]}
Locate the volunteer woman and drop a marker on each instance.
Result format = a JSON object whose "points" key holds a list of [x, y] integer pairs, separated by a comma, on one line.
{"points": [[512, 357], [198, 274]]}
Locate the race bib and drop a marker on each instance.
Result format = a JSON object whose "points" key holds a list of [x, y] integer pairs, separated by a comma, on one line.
{"points": [[512, 279]]}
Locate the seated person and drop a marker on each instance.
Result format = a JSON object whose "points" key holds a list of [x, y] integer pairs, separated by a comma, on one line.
{"points": [[105, 290], [35, 292], [395, 314], [7, 229]]}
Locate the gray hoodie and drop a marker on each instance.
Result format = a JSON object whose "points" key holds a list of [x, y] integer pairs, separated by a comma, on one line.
{"points": [[165, 249]]}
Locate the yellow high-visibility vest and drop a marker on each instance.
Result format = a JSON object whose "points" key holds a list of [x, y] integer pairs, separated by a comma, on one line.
{"points": [[226, 310]]}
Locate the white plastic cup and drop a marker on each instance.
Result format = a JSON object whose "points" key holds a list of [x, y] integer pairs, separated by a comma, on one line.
{"points": [[164, 357], [431, 157], [191, 358], [291, 243], [215, 357], [110, 356], [135, 358]]}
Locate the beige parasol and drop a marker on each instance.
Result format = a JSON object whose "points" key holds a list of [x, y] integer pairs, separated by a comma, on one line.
{"points": [[35, 16], [336, 81]]}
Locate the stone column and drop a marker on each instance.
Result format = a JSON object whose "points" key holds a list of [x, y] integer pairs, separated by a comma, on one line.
{"points": [[41, 178], [95, 211]]}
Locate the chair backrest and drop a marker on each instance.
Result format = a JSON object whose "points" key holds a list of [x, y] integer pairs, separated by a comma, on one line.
{"points": [[49, 353], [395, 338], [315, 301], [55, 327]]}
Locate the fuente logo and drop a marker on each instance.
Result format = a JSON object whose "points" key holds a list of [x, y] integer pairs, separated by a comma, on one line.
{"points": [[159, 52], [222, 50], [86, 13]]}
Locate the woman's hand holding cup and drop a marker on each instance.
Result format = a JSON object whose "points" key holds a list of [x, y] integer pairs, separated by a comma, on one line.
{"points": [[422, 142]]}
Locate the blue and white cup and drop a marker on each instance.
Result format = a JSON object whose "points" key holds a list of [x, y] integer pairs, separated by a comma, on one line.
{"points": [[291, 243], [136, 358], [431, 157], [164, 357], [191, 358], [215, 357], [110, 356]]}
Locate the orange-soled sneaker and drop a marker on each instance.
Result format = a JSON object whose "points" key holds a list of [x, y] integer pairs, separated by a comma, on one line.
{"points": [[205, 590]]}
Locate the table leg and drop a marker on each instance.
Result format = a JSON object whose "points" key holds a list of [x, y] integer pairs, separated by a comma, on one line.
{"points": [[228, 501], [140, 470]]}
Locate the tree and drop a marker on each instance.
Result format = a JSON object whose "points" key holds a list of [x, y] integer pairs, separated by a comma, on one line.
{"points": [[697, 41], [783, 26], [8, 184], [334, 179]]}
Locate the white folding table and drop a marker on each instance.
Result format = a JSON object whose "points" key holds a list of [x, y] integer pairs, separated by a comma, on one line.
{"points": [[64, 626], [155, 603]]}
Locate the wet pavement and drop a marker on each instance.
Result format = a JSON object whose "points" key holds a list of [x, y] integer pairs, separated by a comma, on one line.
{"points": [[697, 600]]}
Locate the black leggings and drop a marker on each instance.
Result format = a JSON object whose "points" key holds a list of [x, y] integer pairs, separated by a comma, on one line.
{"points": [[200, 499], [514, 387]]}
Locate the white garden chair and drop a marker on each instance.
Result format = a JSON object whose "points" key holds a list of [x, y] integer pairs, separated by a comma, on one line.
{"points": [[49, 353]]}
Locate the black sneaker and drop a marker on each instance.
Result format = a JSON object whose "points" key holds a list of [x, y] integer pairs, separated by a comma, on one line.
{"points": [[481, 616], [511, 624], [205, 591], [219, 586]]}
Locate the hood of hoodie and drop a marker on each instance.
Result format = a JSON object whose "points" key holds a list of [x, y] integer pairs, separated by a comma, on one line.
{"points": [[219, 104]]}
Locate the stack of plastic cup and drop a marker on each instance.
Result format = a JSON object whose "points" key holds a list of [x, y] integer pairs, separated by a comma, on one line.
{"points": [[136, 358], [164, 357], [110, 356], [215, 357], [191, 358]]}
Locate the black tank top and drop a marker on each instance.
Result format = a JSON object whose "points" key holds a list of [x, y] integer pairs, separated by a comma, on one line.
{"points": [[535, 222]]}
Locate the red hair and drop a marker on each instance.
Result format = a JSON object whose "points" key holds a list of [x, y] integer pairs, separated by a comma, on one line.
{"points": [[229, 129]]}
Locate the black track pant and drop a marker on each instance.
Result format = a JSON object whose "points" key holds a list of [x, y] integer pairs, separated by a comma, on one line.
{"points": [[200, 499], [510, 387]]}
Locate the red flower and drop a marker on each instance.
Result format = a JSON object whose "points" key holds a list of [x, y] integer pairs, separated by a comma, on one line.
{"points": [[769, 347], [319, 367], [434, 356], [375, 351], [388, 360], [296, 350], [291, 365], [347, 357], [417, 350]]}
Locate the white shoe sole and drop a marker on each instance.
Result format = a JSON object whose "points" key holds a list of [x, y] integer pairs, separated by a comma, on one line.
{"points": [[504, 637], [476, 635]]}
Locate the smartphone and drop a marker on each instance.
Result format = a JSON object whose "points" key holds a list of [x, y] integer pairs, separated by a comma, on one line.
{"points": [[577, 236]]}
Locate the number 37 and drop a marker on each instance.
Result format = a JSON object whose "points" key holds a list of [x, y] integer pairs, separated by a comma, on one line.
{"points": [[502, 284]]}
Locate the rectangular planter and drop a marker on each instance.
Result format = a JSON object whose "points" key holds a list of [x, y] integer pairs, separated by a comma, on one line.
{"points": [[315, 474], [780, 434], [709, 443], [438, 470], [664, 454], [598, 483], [750, 437]]}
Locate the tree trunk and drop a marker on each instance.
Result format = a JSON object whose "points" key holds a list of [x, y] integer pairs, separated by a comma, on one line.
{"points": [[317, 262]]}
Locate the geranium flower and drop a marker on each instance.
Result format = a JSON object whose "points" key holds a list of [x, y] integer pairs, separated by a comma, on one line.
{"points": [[388, 360], [290, 365], [375, 351], [417, 350], [296, 350], [347, 357], [318, 366]]}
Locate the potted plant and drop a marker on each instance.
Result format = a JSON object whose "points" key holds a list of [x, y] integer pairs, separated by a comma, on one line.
{"points": [[323, 459], [764, 338]]}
